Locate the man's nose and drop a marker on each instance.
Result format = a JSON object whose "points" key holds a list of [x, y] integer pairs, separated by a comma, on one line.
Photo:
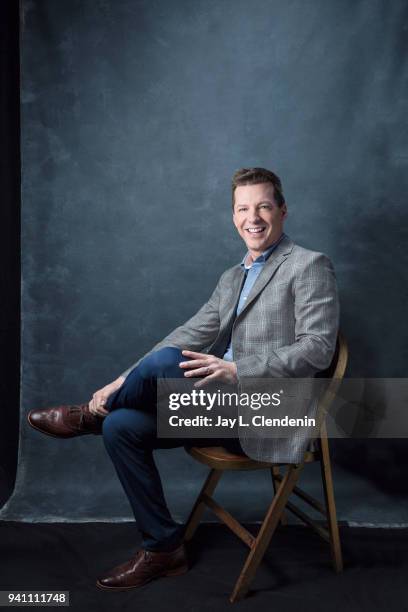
{"points": [[254, 216]]}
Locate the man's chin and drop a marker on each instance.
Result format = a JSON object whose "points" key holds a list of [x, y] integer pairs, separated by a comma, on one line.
{"points": [[260, 245]]}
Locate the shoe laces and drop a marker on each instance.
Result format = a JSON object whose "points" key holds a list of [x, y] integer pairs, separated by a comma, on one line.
{"points": [[147, 556], [74, 410], [82, 414]]}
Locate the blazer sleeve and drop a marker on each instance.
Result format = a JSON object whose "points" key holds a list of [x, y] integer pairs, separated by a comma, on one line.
{"points": [[196, 334], [316, 309]]}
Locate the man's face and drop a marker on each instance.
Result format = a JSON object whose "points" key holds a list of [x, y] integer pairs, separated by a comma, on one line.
{"points": [[257, 217]]}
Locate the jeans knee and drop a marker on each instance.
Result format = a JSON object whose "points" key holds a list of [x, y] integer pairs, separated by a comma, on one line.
{"points": [[126, 425], [112, 426], [162, 363]]}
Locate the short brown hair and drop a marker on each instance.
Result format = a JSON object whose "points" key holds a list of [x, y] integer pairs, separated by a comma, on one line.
{"points": [[254, 176]]}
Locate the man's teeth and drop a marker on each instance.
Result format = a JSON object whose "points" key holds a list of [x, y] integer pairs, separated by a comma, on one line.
{"points": [[255, 230]]}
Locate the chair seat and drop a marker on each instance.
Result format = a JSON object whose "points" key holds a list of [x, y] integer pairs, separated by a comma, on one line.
{"points": [[219, 458]]}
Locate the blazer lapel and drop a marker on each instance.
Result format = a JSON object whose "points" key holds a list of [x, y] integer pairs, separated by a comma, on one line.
{"points": [[236, 287], [279, 255], [221, 342]]}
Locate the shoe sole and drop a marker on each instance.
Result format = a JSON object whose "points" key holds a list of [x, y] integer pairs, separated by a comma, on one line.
{"points": [[176, 572]]}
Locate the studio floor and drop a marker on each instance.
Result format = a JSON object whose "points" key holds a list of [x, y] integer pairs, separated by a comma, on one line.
{"points": [[295, 575]]}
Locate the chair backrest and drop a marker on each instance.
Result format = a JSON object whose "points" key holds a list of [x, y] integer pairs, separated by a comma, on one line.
{"points": [[335, 372]]}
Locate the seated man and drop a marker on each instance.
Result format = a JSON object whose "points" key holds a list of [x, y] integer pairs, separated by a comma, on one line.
{"points": [[273, 315]]}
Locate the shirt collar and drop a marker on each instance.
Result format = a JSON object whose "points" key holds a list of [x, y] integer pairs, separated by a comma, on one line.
{"points": [[263, 257]]}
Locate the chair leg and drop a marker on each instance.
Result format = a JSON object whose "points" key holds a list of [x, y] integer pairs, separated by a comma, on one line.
{"points": [[265, 533], [199, 506], [276, 484], [333, 526]]}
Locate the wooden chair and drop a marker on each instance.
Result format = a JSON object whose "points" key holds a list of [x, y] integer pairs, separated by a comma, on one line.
{"points": [[219, 460]]}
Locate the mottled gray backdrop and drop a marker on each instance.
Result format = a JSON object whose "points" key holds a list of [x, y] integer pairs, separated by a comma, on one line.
{"points": [[135, 114]]}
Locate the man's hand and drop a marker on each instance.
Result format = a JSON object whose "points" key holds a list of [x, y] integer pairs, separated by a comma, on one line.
{"points": [[99, 398], [210, 367]]}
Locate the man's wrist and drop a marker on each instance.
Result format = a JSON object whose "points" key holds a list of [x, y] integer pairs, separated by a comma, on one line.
{"points": [[234, 370]]}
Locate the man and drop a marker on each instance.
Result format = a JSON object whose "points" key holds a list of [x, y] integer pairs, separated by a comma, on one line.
{"points": [[273, 315]]}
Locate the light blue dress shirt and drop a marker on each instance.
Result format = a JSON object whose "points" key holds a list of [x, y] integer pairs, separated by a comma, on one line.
{"points": [[252, 273]]}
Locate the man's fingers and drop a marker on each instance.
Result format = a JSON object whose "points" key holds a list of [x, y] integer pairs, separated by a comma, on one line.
{"points": [[194, 355], [97, 410], [97, 402], [102, 412], [204, 371], [196, 363], [206, 381]]}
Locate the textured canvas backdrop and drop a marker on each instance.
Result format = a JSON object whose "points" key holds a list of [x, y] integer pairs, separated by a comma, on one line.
{"points": [[134, 116]]}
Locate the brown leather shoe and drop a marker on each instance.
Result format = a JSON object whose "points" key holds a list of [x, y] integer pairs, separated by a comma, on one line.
{"points": [[143, 568], [65, 421]]}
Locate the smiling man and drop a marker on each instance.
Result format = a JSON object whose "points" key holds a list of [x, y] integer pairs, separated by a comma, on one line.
{"points": [[273, 315]]}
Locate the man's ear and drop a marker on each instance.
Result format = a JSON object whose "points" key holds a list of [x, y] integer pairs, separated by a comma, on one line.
{"points": [[284, 210]]}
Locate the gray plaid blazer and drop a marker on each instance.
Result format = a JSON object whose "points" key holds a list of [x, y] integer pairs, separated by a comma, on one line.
{"points": [[287, 328]]}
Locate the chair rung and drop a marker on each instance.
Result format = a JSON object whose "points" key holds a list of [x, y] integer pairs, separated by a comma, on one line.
{"points": [[306, 519], [306, 497], [229, 520]]}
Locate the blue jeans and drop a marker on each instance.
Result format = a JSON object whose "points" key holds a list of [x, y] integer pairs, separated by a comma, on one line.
{"points": [[130, 437]]}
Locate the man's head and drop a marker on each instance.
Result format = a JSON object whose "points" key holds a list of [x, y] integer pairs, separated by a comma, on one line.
{"points": [[258, 208]]}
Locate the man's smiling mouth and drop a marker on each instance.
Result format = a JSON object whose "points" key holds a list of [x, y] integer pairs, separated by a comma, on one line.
{"points": [[255, 230]]}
